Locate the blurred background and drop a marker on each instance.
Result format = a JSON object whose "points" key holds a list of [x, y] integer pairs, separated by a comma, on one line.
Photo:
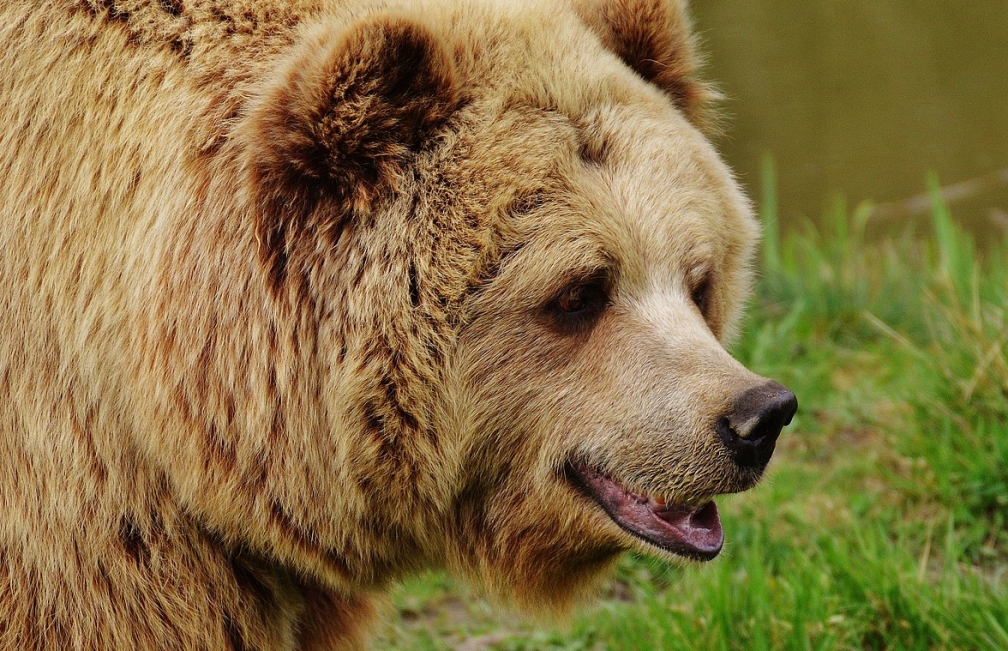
{"points": [[864, 98]]}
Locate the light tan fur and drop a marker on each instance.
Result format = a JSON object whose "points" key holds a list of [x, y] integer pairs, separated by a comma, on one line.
{"points": [[274, 328]]}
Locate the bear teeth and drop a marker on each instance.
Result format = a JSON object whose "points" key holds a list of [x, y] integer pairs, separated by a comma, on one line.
{"points": [[653, 500]]}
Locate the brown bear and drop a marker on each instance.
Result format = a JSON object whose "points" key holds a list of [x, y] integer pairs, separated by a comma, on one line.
{"points": [[299, 297]]}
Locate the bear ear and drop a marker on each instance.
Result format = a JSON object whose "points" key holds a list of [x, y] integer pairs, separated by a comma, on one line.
{"points": [[342, 114], [654, 37]]}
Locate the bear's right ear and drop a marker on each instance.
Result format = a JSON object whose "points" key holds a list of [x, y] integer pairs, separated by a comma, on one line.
{"points": [[338, 122]]}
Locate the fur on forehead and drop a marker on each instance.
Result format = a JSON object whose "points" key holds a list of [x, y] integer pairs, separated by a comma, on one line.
{"points": [[352, 100], [337, 125]]}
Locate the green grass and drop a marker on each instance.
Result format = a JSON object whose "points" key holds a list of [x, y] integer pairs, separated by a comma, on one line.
{"points": [[883, 523]]}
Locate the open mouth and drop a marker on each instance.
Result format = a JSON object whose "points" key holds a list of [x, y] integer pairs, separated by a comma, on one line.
{"points": [[693, 531]]}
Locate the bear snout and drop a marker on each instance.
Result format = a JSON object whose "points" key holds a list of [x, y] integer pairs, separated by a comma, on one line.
{"points": [[751, 428]]}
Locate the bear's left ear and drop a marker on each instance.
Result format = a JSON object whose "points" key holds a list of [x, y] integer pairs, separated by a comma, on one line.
{"points": [[654, 37], [338, 121]]}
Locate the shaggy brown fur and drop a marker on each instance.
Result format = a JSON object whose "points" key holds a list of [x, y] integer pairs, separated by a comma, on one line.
{"points": [[279, 315]]}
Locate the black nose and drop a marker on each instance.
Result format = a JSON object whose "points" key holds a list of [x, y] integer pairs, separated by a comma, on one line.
{"points": [[751, 428]]}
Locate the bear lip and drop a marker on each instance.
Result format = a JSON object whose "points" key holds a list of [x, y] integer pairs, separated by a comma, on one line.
{"points": [[692, 531]]}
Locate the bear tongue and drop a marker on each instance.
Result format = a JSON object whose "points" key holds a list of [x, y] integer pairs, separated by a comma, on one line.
{"points": [[691, 531]]}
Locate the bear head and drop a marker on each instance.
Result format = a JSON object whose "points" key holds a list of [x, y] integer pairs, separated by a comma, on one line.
{"points": [[518, 258]]}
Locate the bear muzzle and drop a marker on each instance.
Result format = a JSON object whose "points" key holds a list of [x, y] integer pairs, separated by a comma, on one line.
{"points": [[690, 526]]}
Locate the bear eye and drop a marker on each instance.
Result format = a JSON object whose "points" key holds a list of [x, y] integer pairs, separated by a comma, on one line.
{"points": [[580, 303], [701, 295]]}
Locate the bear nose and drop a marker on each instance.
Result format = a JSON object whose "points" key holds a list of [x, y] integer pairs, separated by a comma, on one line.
{"points": [[751, 429]]}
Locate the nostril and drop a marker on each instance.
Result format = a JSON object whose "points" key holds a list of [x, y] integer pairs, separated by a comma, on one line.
{"points": [[750, 431], [728, 436], [747, 452]]}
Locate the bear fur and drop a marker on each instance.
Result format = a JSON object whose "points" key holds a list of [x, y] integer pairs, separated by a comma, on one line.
{"points": [[300, 297]]}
